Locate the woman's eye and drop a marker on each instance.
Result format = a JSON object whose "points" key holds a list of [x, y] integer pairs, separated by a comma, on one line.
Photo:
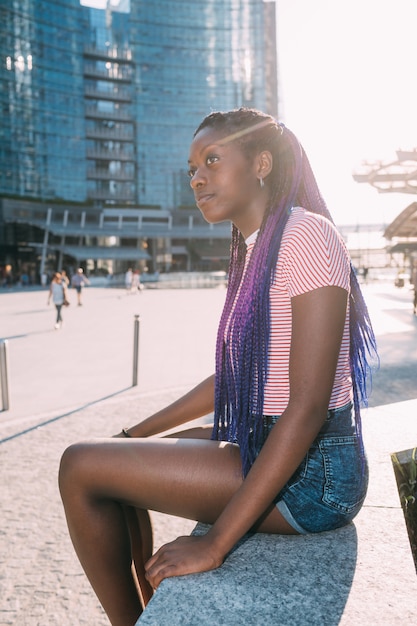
{"points": [[210, 160]]}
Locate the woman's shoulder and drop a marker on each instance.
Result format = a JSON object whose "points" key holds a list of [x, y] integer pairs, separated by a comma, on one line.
{"points": [[301, 217], [313, 251], [303, 224], [308, 235]]}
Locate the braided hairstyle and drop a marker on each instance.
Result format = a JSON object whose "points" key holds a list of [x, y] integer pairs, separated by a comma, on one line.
{"points": [[241, 368]]}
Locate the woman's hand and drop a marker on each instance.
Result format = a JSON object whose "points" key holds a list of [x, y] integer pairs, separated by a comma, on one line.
{"points": [[185, 555]]}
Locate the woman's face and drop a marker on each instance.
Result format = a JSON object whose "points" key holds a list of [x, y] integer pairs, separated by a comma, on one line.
{"points": [[225, 182]]}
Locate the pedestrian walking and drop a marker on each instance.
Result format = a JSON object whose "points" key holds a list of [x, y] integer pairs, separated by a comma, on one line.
{"points": [[128, 280], [58, 294], [65, 278], [136, 284], [78, 281]]}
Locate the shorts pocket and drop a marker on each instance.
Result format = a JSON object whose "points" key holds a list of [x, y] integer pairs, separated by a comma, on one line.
{"points": [[346, 473]]}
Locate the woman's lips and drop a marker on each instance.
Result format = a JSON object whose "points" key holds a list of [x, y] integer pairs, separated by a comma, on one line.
{"points": [[204, 198]]}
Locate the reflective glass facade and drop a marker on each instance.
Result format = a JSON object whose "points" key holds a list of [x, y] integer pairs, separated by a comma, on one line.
{"points": [[99, 106], [42, 127], [192, 58], [110, 125]]}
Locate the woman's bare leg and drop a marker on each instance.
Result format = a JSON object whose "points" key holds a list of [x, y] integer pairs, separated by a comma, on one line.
{"points": [[140, 527], [189, 478], [100, 536], [141, 542]]}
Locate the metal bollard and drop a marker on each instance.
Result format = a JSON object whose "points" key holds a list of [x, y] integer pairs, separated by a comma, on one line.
{"points": [[135, 351], [4, 383]]}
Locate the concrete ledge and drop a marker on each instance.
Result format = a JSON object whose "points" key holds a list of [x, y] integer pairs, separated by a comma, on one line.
{"points": [[363, 573], [322, 579], [265, 580]]}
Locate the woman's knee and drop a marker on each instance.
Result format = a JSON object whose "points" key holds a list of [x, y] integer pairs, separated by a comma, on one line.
{"points": [[74, 465]]}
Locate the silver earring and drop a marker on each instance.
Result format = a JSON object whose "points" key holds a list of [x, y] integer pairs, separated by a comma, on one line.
{"points": [[261, 182]]}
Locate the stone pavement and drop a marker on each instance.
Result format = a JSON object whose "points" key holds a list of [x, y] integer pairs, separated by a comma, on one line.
{"points": [[76, 383]]}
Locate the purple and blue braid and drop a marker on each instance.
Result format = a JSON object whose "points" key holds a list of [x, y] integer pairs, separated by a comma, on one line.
{"points": [[244, 329]]}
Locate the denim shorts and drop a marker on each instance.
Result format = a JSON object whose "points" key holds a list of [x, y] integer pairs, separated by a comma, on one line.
{"points": [[329, 487]]}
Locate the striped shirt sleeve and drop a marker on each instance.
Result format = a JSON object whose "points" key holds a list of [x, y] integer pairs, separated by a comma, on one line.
{"points": [[313, 255]]}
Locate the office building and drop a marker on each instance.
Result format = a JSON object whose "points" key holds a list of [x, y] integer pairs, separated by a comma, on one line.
{"points": [[98, 107]]}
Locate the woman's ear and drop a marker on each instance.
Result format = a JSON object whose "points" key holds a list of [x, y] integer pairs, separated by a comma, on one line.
{"points": [[264, 164]]}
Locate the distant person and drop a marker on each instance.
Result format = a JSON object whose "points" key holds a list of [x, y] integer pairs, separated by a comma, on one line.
{"points": [[78, 281], [58, 293], [24, 279], [414, 284], [65, 278], [136, 284], [129, 279], [8, 276]]}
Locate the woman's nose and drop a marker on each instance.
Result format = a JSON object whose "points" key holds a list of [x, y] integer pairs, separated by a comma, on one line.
{"points": [[196, 180]]}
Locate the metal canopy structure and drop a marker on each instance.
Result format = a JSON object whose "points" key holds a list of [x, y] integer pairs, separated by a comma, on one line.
{"points": [[80, 253], [399, 176], [402, 231], [404, 225], [117, 234]]}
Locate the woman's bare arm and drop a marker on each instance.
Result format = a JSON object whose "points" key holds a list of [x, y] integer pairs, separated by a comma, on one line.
{"points": [[196, 403], [318, 323]]}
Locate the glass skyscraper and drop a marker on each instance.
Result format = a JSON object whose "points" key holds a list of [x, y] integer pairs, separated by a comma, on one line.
{"points": [[42, 125], [191, 58], [109, 73], [98, 106]]}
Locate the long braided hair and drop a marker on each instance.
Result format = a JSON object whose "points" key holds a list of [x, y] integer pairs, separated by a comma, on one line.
{"points": [[244, 329]]}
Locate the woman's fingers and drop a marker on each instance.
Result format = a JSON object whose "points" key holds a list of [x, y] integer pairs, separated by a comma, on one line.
{"points": [[185, 555]]}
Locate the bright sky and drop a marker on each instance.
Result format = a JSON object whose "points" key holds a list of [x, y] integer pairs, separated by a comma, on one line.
{"points": [[347, 90]]}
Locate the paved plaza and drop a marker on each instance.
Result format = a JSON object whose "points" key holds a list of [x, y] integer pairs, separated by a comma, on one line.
{"points": [[73, 383]]}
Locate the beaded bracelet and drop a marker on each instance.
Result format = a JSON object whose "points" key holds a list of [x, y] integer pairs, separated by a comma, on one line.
{"points": [[126, 433]]}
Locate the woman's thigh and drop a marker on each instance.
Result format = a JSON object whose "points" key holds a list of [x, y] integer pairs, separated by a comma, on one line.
{"points": [[192, 478]]}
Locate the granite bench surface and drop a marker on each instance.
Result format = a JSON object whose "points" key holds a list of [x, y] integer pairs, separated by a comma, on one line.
{"points": [[361, 574]]}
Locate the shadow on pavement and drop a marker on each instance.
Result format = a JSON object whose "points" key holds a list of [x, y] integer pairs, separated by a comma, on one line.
{"points": [[394, 383], [58, 417]]}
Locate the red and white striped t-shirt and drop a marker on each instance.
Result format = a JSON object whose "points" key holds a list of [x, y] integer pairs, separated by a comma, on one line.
{"points": [[312, 255]]}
